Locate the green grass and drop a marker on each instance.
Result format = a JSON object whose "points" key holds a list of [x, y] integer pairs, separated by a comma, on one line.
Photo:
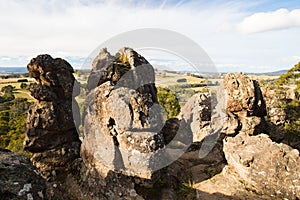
{"points": [[18, 92]]}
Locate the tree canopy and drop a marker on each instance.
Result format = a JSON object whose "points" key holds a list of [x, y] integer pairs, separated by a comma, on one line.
{"points": [[168, 100]]}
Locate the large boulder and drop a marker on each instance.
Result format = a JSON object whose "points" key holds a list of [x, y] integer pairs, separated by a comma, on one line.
{"points": [[244, 104], [264, 166], [257, 167], [122, 121], [196, 113], [238, 106], [51, 132]]}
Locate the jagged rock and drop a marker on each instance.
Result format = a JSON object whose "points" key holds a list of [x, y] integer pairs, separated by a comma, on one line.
{"points": [[244, 105], [122, 119], [19, 179], [242, 93], [111, 68], [257, 167], [264, 166], [196, 113], [51, 133]]}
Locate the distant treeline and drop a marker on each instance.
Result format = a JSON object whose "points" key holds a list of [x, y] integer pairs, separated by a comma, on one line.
{"points": [[8, 76]]}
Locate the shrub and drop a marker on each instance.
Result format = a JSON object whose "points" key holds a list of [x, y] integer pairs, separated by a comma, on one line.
{"points": [[24, 86], [168, 101], [181, 80]]}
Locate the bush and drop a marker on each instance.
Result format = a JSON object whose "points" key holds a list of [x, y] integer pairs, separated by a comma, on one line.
{"points": [[13, 116], [181, 80], [8, 89], [22, 80], [24, 86], [168, 101], [292, 108]]}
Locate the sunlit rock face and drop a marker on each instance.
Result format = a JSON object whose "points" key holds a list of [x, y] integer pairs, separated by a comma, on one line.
{"points": [[264, 166], [122, 120], [51, 133], [244, 104], [237, 106]]}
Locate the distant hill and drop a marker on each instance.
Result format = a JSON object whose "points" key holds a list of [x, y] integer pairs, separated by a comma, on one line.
{"points": [[275, 73], [280, 72], [13, 70]]}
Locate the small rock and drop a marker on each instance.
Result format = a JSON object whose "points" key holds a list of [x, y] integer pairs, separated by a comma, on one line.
{"points": [[29, 196]]}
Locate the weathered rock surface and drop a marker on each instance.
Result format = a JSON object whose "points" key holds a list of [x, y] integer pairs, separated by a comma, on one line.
{"points": [[243, 104], [19, 179], [273, 99], [280, 112], [51, 133], [121, 122], [111, 68], [264, 166], [257, 168], [123, 135], [196, 113]]}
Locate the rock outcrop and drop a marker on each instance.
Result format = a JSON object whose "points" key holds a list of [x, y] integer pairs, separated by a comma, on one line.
{"points": [[125, 142], [257, 168], [51, 133], [242, 103], [276, 113], [121, 121], [281, 113], [266, 167], [19, 179], [196, 113]]}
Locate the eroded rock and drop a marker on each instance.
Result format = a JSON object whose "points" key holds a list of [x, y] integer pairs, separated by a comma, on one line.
{"points": [[244, 105], [51, 133], [122, 119], [196, 113], [264, 166], [19, 179]]}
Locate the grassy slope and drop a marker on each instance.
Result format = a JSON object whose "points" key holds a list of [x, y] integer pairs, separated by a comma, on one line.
{"points": [[19, 93]]}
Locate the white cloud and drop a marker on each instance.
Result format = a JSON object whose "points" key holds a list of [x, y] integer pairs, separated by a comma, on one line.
{"points": [[72, 29], [268, 21], [291, 59]]}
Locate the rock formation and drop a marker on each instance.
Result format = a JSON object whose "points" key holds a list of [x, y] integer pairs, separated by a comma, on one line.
{"points": [[121, 121], [51, 133], [257, 168], [266, 167], [276, 113], [19, 179], [242, 104], [243, 163], [281, 113], [125, 142], [196, 113]]}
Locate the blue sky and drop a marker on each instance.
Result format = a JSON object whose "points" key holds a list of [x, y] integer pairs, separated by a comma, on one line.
{"points": [[249, 36]]}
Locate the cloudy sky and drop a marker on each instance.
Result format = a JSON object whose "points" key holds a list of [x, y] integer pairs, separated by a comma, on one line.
{"points": [[250, 36]]}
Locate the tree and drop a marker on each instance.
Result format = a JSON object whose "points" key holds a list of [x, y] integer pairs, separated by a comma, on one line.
{"points": [[168, 101], [8, 89], [292, 108], [13, 116], [23, 86], [292, 76], [8, 93]]}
